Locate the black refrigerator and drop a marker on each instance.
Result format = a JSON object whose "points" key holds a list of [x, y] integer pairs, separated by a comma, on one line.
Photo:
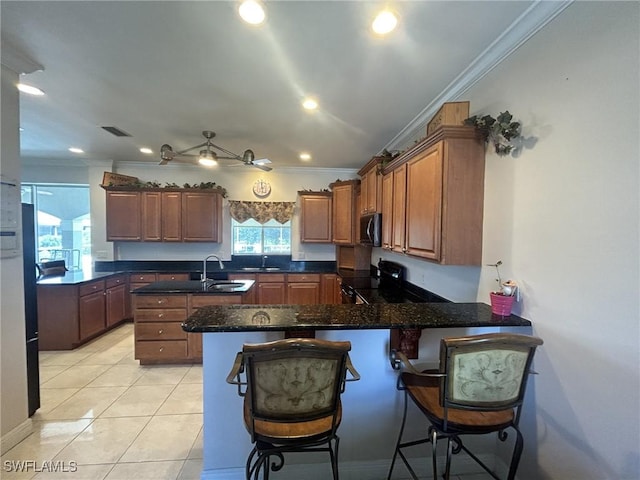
{"points": [[30, 305]]}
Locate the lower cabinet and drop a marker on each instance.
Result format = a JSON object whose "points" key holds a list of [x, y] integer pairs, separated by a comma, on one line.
{"points": [[159, 337], [272, 288], [330, 289], [303, 288], [70, 315]]}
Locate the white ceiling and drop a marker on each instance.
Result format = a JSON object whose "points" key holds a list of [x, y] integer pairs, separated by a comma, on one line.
{"points": [[165, 71]]}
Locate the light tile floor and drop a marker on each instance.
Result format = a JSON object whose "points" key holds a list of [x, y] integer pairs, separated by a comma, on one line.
{"points": [[108, 418]]}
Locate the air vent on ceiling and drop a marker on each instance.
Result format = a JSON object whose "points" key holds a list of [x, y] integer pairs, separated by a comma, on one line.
{"points": [[116, 131]]}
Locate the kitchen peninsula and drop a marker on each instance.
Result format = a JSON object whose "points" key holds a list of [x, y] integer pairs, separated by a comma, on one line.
{"points": [[374, 397]]}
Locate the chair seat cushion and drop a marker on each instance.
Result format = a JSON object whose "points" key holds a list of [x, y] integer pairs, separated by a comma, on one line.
{"points": [[425, 392], [289, 431]]}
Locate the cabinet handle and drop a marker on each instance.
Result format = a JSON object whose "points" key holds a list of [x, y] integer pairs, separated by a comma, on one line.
{"points": [[160, 315], [160, 302], [160, 331], [161, 349]]}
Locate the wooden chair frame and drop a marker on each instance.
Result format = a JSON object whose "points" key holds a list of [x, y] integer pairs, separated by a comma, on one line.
{"points": [[465, 395], [282, 422]]}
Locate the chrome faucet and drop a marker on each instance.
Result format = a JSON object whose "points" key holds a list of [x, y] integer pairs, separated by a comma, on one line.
{"points": [[203, 279], [264, 261]]}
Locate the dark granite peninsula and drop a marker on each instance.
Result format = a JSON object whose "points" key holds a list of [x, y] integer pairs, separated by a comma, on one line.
{"points": [[372, 406], [238, 318]]}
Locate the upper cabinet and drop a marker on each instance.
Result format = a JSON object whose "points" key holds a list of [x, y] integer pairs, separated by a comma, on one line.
{"points": [[436, 193], [315, 217], [163, 215], [371, 187], [344, 211]]}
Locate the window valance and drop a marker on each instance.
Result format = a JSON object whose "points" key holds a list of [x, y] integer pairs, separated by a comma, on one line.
{"points": [[262, 212]]}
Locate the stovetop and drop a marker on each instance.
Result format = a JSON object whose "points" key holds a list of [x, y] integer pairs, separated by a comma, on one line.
{"points": [[390, 287]]}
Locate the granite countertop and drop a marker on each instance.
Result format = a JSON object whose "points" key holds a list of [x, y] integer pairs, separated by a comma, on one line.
{"points": [[74, 277], [195, 286], [236, 318]]}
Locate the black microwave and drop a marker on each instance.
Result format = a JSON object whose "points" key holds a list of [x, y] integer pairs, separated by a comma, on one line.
{"points": [[371, 229]]}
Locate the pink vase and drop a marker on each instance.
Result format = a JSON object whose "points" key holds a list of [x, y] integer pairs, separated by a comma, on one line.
{"points": [[501, 304]]}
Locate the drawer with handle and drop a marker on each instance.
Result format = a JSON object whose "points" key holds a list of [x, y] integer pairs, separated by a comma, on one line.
{"points": [[160, 331], [161, 301], [161, 349], [160, 314]]}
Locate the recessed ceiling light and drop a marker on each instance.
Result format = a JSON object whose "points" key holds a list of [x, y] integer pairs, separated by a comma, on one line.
{"points": [[251, 12], [76, 150], [146, 150], [305, 156], [310, 103], [385, 22], [31, 90]]}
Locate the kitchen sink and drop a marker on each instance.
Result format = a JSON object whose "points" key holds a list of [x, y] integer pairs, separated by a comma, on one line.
{"points": [[221, 285]]}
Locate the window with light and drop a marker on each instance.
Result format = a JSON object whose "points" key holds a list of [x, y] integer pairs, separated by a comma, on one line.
{"points": [[253, 238]]}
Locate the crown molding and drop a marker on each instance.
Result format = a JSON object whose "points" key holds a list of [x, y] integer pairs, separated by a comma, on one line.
{"points": [[17, 61], [522, 29]]}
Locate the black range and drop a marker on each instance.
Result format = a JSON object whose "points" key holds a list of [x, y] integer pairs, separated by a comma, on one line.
{"points": [[388, 286]]}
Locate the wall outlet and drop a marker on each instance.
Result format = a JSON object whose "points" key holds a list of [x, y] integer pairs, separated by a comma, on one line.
{"points": [[101, 254]]}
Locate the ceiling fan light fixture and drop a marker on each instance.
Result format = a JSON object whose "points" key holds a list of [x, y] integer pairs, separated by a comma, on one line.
{"points": [[310, 103], [248, 156], [385, 22], [251, 12], [207, 158]]}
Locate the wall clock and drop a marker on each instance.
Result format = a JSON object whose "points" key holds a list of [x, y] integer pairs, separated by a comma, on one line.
{"points": [[261, 188]]}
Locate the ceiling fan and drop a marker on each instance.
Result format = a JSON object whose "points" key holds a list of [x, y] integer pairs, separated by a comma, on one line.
{"points": [[208, 157]]}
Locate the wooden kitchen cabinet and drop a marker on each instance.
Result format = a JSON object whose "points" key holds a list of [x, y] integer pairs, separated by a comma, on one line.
{"points": [[438, 194], [272, 288], [151, 216], [399, 206], [116, 300], [72, 314], [303, 288], [315, 217], [123, 216], [166, 215], [201, 217], [344, 211], [91, 308], [330, 289], [371, 187], [387, 211], [159, 337], [171, 216]]}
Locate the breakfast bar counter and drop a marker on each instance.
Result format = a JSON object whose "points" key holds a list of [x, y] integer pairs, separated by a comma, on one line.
{"points": [[245, 318]]}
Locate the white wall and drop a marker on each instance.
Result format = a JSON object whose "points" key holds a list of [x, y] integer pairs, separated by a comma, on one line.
{"points": [[563, 216], [14, 421]]}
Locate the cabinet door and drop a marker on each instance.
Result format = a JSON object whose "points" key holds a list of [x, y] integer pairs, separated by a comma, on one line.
{"points": [[272, 293], [343, 214], [116, 300], [171, 216], [315, 218], [364, 191], [329, 289], [201, 217], [151, 217], [303, 293], [424, 203], [399, 196], [91, 312], [372, 191], [387, 211], [123, 216]]}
